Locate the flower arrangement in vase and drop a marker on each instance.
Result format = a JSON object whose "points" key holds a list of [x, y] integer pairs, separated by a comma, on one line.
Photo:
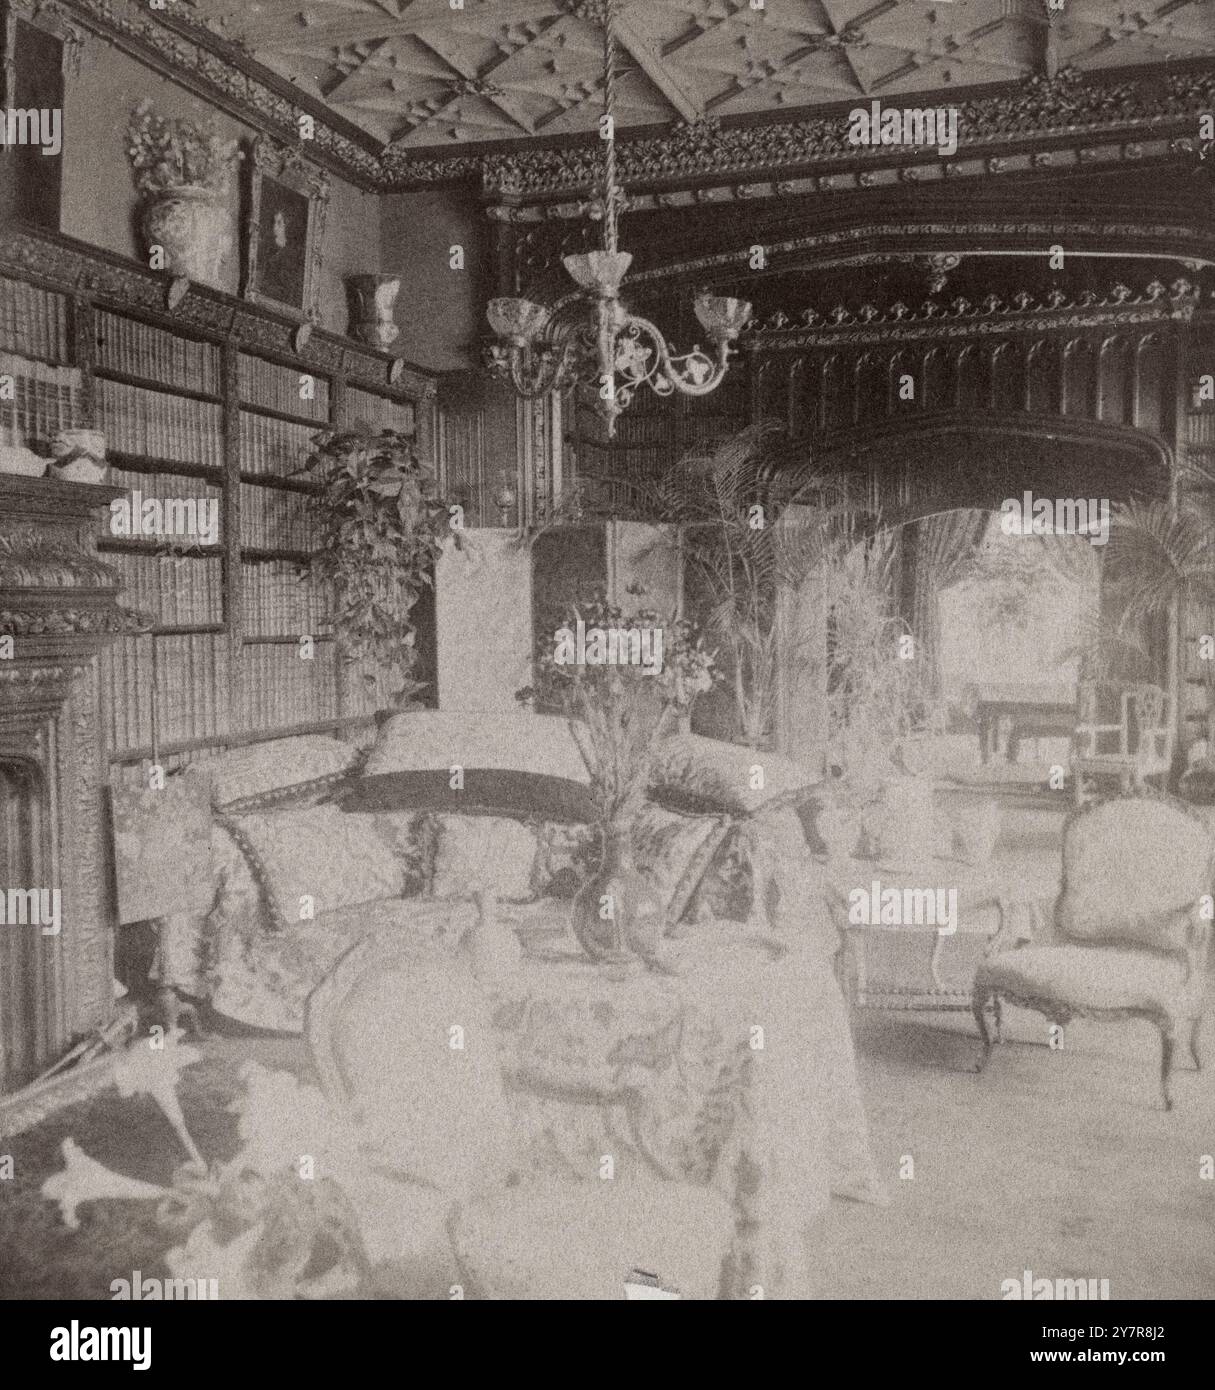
{"points": [[624, 682], [183, 170]]}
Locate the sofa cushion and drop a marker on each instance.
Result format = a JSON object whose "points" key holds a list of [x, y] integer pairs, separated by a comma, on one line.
{"points": [[442, 739], [299, 770], [674, 851], [265, 980], [703, 774], [317, 860], [412, 837], [566, 856], [490, 853], [1133, 867]]}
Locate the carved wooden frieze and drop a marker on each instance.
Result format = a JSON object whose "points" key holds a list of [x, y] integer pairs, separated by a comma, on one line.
{"points": [[73, 267], [1021, 313], [51, 581]]}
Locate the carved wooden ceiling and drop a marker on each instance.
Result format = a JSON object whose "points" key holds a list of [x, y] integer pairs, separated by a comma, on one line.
{"points": [[429, 75]]}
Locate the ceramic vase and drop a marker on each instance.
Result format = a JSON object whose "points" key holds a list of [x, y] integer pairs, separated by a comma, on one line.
{"points": [[373, 299], [193, 227]]}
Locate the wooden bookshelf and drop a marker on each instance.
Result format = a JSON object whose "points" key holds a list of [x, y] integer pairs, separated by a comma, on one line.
{"points": [[208, 401]]}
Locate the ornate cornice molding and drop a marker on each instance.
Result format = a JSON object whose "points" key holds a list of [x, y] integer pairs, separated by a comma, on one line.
{"points": [[73, 267], [184, 48], [32, 559], [1069, 110], [993, 316], [865, 243], [1130, 103], [57, 622], [1079, 154]]}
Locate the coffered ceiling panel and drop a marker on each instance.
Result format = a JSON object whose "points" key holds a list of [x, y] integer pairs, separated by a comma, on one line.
{"points": [[421, 74]]}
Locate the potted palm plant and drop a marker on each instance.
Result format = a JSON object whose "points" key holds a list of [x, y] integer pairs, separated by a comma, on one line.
{"points": [[752, 521]]}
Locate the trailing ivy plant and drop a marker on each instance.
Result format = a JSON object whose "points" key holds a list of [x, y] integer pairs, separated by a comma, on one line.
{"points": [[382, 526]]}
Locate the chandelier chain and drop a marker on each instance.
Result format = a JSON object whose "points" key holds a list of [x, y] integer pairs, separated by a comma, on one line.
{"points": [[609, 110]]}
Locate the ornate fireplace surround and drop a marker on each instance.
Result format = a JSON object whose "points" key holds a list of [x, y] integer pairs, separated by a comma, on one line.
{"points": [[58, 607]]}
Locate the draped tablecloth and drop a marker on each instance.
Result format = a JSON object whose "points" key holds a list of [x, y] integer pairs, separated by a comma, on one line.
{"points": [[732, 1074]]}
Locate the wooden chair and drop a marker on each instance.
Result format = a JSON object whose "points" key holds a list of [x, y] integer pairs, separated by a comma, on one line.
{"points": [[1134, 750], [1133, 928]]}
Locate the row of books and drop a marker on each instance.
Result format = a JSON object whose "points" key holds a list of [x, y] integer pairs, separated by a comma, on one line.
{"points": [[33, 321], [272, 519], [274, 446], [160, 425], [123, 345], [176, 591], [166, 485], [363, 409], [283, 388], [280, 600], [45, 400], [281, 687], [1200, 426], [171, 688]]}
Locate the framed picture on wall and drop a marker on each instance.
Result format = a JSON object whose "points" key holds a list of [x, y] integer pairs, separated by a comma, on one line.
{"points": [[38, 47], [287, 200]]}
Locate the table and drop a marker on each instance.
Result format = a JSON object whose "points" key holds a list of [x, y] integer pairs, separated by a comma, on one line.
{"points": [[734, 1075], [916, 966], [1030, 709]]}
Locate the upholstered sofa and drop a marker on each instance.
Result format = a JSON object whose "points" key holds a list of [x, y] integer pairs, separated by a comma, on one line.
{"points": [[315, 843]]}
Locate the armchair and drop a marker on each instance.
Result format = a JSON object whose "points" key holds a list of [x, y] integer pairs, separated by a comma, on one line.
{"points": [[1133, 928], [1138, 747]]}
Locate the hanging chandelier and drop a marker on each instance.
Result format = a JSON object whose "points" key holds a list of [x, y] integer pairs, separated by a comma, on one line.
{"points": [[597, 340]]}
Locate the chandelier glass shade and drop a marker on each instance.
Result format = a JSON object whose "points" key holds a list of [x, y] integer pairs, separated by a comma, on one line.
{"points": [[592, 337]]}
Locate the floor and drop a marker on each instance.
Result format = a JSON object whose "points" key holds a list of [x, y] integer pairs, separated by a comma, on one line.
{"points": [[1059, 1162]]}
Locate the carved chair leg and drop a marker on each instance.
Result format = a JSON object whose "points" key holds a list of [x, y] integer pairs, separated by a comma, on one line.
{"points": [[1195, 1026], [978, 1006], [1167, 1044]]}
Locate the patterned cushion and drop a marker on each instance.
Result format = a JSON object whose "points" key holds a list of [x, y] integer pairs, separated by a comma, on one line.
{"points": [[412, 836], [673, 851], [483, 852], [702, 774], [1090, 977], [317, 860], [298, 770], [1132, 869], [264, 980], [566, 856]]}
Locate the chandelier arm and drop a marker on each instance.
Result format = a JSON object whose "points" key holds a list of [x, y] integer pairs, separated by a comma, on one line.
{"points": [[666, 363]]}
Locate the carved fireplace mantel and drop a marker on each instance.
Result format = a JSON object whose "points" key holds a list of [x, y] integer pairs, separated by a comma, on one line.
{"points": [[58, 607]]}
